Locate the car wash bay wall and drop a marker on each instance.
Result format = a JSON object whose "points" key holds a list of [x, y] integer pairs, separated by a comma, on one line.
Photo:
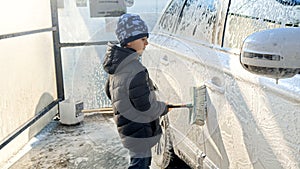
{"points": [[27, 70]]}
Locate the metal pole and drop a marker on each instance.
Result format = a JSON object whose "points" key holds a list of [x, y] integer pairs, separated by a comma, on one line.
{"points": [[62, 45], [57, 52], [13, 35]]}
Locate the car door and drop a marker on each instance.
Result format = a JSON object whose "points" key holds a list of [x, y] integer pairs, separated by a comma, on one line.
{"points": [[184, 57], [201, 27]]}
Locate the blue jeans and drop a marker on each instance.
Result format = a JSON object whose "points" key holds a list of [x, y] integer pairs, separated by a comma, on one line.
{"points": [[140, 163]]}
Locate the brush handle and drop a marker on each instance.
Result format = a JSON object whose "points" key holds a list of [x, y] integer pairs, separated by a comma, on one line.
{"points": [[177, 105]]}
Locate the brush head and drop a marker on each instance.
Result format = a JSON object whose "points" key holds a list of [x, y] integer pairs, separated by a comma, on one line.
{"points": [[198, 111]]}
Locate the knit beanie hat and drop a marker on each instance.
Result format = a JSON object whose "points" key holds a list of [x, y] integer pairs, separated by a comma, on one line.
{"points": [[130, 27]]}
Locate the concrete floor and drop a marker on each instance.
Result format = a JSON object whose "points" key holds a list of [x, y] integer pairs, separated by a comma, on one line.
{"points": [[93, 144]]}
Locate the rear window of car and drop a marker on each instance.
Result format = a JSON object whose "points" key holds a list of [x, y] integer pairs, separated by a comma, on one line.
{"points": [[198, 20], [170, 16], [193, 19]]}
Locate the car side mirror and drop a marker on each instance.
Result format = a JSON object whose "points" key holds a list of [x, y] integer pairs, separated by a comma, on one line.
{"points": [[273, 53]]}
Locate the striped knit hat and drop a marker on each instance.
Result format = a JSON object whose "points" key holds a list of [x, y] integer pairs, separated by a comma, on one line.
{"points": [[130, 27]]}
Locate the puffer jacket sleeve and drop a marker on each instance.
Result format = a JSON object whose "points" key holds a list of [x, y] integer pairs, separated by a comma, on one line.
{"points": [[140, 91]]}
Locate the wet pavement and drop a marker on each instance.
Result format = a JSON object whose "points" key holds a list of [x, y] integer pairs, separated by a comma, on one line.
{"points": [[92, 144]]}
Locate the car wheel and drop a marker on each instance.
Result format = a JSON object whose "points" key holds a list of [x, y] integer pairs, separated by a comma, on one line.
{"points": [[162, 151]]}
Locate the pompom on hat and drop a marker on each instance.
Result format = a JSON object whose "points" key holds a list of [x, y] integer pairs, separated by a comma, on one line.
{"points": [[130, 27]]}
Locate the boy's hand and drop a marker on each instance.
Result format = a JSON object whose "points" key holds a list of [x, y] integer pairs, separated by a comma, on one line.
{"points": [[169, 108]]}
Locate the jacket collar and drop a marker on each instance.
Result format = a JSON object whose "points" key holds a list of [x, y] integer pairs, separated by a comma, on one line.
{"points": [[116, 55]]}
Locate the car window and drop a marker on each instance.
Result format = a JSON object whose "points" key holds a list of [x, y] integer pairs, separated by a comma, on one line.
{"points": [[170, 16], [289, 2], [247, 16], [198, 20]]}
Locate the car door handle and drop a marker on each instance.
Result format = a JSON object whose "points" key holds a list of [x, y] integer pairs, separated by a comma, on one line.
{"points": [[215, 85], [164, 60]]}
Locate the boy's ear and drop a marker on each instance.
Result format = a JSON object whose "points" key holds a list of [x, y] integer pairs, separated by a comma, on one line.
{"points": [[129, 43]]}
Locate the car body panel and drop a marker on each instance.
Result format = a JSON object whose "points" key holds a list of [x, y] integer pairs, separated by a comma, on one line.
{"points": [[252, 122]]}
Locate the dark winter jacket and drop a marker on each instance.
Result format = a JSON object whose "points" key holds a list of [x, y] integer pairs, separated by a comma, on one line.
{"points": [[133, 99]]}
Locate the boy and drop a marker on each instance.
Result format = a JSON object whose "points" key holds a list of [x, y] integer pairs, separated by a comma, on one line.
{"points": [[131, 91]]}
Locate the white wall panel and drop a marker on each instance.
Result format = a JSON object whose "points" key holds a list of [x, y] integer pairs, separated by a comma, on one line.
{"points": [[27, 70], [20, 15]]}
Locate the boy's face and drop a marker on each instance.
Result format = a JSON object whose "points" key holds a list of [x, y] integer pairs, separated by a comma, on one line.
{"points": [[139, 45]]}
